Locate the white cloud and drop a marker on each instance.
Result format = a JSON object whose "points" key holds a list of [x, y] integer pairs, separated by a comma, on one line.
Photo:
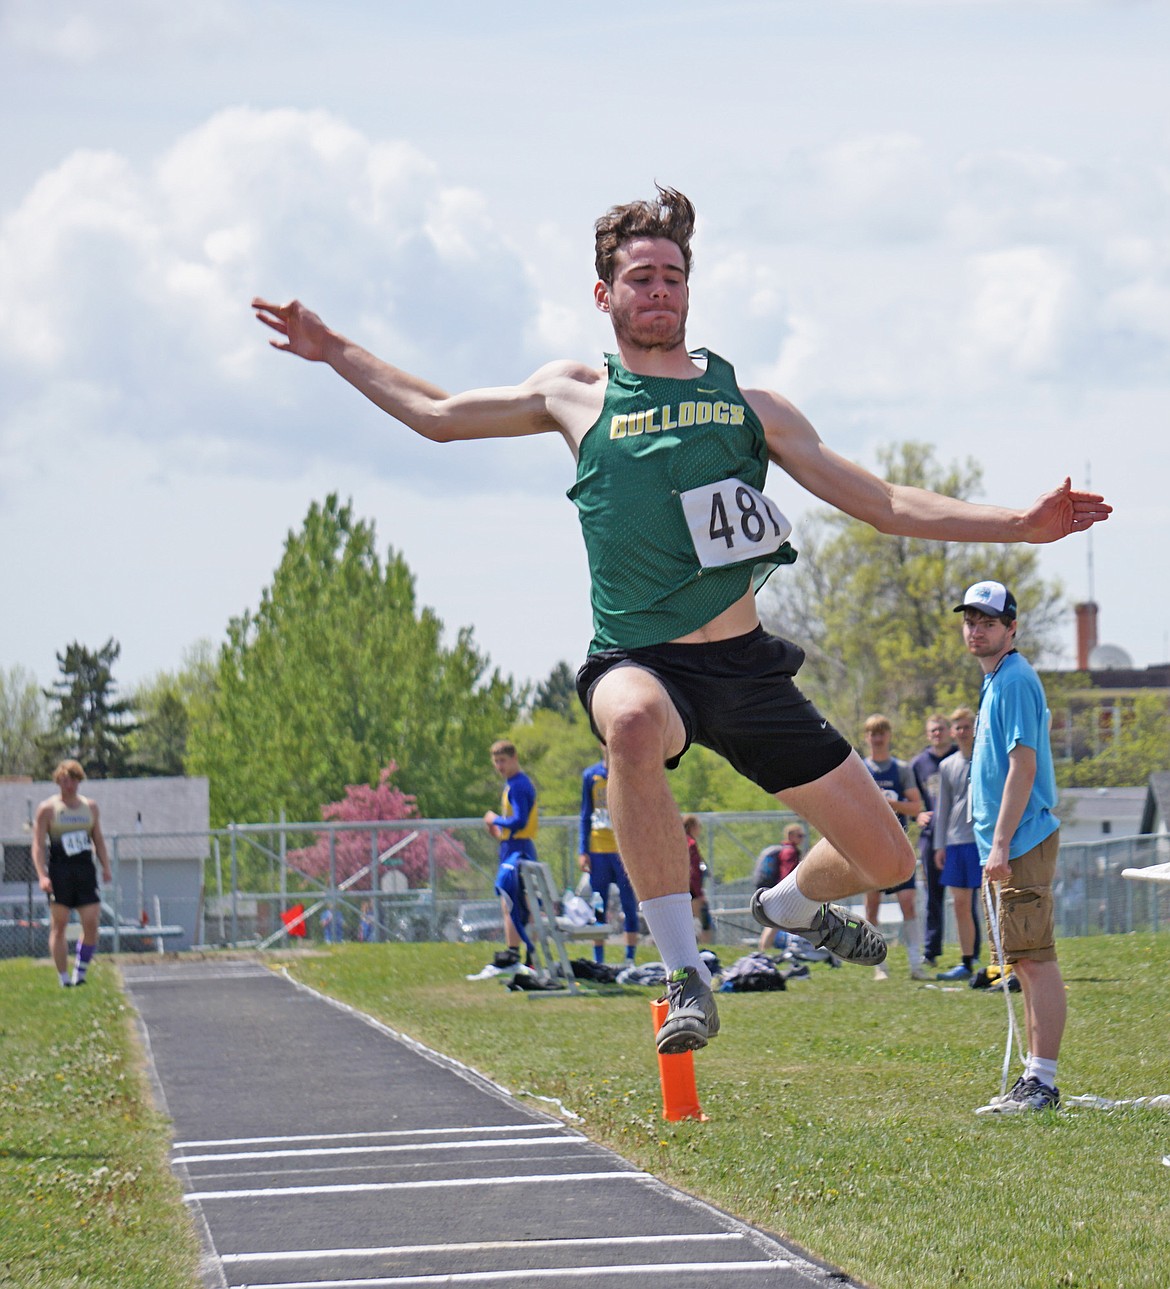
{"points": [[925, 227], [137, 278], [85, 32], [1024, 307]]}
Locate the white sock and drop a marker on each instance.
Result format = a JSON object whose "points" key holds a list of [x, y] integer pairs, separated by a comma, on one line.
{"points": [[64, 976], [1039, 1068], [912, 942], [672, 925], [786, 905]]}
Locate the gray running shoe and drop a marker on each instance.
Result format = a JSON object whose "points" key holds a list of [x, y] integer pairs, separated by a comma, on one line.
{"points": [[1010, 1094], [1028, 1095], [692, 1017], [848, 937]]}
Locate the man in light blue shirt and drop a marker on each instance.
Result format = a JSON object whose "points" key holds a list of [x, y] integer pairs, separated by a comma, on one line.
{"points": [[1013, 792]]}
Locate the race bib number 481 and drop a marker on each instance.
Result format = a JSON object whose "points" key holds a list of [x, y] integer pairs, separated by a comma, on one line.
{"points": [[731, 521]]}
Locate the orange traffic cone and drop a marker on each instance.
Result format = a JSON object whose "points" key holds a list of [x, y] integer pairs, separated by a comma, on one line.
{"points": [[680, 1098]]}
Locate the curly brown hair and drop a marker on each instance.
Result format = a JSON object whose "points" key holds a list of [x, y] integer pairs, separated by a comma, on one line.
{"points": [[671, 216]]}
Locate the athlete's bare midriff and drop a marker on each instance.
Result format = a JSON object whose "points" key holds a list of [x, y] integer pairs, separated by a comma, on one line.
{"points": [[736, 620]]}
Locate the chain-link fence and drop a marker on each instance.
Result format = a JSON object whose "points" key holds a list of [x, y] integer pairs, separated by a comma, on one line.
{"points": [[1092, 896], [280, 883]]}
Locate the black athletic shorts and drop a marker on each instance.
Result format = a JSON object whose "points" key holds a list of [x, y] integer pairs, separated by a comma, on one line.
{"points": [[74, 882], [738, 698]]}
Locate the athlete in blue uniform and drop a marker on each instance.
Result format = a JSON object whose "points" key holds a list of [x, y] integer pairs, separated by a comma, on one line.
{"points": [[598, 856], [515, 826]]}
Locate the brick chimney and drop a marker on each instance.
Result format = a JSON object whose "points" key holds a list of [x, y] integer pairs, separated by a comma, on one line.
{"points": [[1086, 632]]}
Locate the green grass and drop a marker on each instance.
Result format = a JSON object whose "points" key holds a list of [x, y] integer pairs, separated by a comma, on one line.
{"points": [[840, 1116], [841, 1111], [87, 1199]]}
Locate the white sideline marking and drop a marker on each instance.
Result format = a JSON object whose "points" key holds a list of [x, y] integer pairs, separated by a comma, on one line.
{"points": [[369, 1136], [357, 1187], [371, 1150], [528, 1273], [473, 1246]]}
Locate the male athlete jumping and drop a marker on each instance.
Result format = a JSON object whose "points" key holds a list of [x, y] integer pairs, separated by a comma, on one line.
{"points": [[671, 459]]}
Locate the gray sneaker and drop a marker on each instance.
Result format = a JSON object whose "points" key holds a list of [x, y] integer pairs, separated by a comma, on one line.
{"points": [[1028, 1095], [848, 937], [692, 1017], [1011, 1094]]}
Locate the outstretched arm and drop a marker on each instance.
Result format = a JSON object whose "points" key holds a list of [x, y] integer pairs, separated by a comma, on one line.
{"points": [[913, 512], [39, 847], [428, 410], [99, 844]]}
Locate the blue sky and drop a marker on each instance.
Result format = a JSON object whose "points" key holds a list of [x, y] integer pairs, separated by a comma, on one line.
{"points": [[942, 220]]}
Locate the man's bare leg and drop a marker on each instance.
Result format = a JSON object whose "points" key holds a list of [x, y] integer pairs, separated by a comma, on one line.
{"points": [[58, 948], [640, 727], [642, 730], [511, 935], [1045, 1006], [862, 846], [964, 920]]}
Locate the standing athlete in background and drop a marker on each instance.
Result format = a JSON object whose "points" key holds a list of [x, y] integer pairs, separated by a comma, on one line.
{"points": [[671, 458], [896, 781], [597, 855], [939, 745], [67, 833], [515, 827]]}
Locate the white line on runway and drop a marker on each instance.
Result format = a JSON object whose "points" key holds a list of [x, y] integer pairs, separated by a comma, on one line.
{"points": [[474, 1246], [171, 977], [374, 1150], [527, 1273], [371, 1136], [380, 1167], [270, 1192]]}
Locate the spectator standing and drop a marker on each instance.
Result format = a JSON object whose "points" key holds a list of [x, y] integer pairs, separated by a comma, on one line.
{"points": [[773, 864], [67, 834], [925, 766], [515, 827], [700, 911], [597, 855], [1013, 793], [897, 785], [956, 857]]}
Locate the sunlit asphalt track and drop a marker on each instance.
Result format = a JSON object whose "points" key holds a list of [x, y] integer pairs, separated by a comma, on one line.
{"points": [[319, 1149]]}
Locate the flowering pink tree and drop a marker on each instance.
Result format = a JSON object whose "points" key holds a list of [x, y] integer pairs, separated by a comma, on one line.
{"points": [[363, 804]]}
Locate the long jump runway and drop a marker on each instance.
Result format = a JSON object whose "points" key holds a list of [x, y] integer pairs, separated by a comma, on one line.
{"points": [[320, 1150]]}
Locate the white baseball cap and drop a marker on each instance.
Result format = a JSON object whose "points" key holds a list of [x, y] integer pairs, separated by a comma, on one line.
{"points": [[992, 598]]}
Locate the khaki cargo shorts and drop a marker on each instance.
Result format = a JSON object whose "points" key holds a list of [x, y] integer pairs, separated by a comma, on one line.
{"points": [[1027, 910]]}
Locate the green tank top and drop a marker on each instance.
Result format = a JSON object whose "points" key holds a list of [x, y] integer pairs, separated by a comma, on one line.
{"points": [[669, 494]]}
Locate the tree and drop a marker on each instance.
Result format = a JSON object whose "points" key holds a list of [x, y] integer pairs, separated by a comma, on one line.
{"points": [[334, 672], [166, 706], [1141, 747], [554, 749], [558, 693], [874, 613], [352, 850], [23, 721], [90, 724]]}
